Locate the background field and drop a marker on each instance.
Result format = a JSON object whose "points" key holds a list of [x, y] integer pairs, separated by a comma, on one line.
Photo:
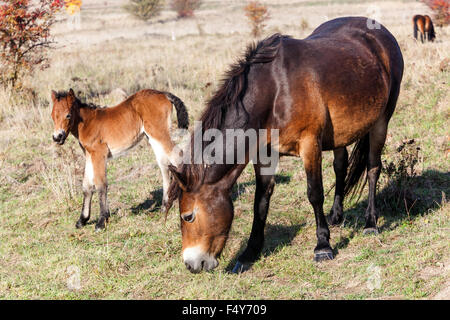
{"points": [[138, 256]]}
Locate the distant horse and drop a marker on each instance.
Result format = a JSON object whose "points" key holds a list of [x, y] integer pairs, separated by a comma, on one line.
{"points": [[336, 87], [424, 25], [105, 133]]}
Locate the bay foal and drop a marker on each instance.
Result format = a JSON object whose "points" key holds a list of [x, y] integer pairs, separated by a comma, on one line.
{"points": [[105, 133]]}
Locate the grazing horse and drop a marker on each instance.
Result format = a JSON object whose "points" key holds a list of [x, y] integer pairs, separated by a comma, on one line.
{"points": [[424, 25], [336, 87], [105, 133]]}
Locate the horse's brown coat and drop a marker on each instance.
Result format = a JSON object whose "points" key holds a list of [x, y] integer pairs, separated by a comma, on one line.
{"points": [[105, 133]]}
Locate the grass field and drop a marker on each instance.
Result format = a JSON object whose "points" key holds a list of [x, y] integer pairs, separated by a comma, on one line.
{"points": [[42, 255]]}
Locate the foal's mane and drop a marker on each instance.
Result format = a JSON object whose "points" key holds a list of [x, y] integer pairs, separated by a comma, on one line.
{"points": [[230, 95], [63, 94]]}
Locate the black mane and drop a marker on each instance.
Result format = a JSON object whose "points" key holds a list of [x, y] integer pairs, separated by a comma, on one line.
{"points": [[63, 94], [229, 95]]}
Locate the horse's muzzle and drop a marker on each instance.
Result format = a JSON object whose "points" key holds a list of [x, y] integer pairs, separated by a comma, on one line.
{"points": [[59, 137], [195, 260]]}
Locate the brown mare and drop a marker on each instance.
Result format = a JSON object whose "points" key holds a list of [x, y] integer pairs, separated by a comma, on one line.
{"points": [[336, 87], [105, 133], [424, 25]]}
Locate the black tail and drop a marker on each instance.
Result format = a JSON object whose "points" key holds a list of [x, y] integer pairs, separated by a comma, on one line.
{"points": [[431, 33], [354, 182], [415, 29], [182, 114]]}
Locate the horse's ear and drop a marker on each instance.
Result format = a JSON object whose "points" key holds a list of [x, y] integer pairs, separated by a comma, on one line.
{"points": [[71, 93], [178, 177], [54, 96]]}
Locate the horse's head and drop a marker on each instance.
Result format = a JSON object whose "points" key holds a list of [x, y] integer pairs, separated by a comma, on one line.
{"points": [[63, 115], [206, 214]]}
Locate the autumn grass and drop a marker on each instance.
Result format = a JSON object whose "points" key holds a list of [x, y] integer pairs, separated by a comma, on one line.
{"points": [[138, 256]]}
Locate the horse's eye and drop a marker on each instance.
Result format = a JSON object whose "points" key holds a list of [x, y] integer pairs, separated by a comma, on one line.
{"points": [[68, 116], [189, 217]]}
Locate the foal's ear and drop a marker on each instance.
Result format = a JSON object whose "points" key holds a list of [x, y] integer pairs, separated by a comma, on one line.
{"points": [[54, 96], [178, 177], [71, 93]]}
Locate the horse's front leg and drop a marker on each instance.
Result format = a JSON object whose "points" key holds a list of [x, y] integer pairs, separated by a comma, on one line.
{"points": [[97, 175], [311, 152], [88, 191], [264, 190]]}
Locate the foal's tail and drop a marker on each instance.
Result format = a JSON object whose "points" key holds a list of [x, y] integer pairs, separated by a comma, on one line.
{"points": [[182, 114], [354, 181]]}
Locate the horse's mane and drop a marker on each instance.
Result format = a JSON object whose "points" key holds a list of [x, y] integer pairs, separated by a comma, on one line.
{"points": [[82, 104], [230, 94]]}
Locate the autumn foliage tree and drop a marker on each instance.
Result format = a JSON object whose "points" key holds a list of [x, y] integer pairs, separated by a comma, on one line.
{"points": [[441, 9], [257, 13], [24, 36]]}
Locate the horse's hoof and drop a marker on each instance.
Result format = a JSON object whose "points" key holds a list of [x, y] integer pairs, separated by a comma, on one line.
{"points": [[79, 224], [323, 255], [334, 222], [370, 231], [99, 227], [240, 267]]}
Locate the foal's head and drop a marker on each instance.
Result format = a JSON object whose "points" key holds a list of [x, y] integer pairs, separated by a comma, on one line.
{"points": [[206, 214], [63, 114]]}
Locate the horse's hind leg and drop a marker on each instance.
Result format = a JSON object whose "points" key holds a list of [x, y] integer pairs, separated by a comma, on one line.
{"points": [[340, 165], [311, 152], [163, 163], [264, 190], [377, 137]]}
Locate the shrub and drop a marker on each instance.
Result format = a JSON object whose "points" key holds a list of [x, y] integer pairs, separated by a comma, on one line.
{"points": [[441, 9], [185, 8], [24, 37], [400, 170], [257, 13], [144, 9]]}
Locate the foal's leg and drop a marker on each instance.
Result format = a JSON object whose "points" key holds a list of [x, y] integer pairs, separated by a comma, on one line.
{"points": [[88, 191], [340, 165], [98, 159], [311, 152], [163, 162], [264, 190], [377, 137]]}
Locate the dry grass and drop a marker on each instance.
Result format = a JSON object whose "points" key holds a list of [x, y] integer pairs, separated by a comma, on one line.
{"points": [[139, 256]]}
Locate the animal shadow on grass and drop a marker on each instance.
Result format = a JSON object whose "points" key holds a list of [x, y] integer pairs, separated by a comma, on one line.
{"points": [[400, 201], [276, 237], [152, 204]]}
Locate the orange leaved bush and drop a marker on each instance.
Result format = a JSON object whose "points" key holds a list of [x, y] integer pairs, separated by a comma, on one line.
{"points": [[24, 36]]}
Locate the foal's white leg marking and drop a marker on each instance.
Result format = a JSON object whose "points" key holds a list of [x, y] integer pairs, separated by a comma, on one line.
{"points": [[89, 171], [163, 163], [88, 185]]}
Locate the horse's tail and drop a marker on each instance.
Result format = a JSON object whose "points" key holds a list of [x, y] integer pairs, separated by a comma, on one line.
{"points": [[354, 181], [182, 114], [431, 32], [415, 28]]}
